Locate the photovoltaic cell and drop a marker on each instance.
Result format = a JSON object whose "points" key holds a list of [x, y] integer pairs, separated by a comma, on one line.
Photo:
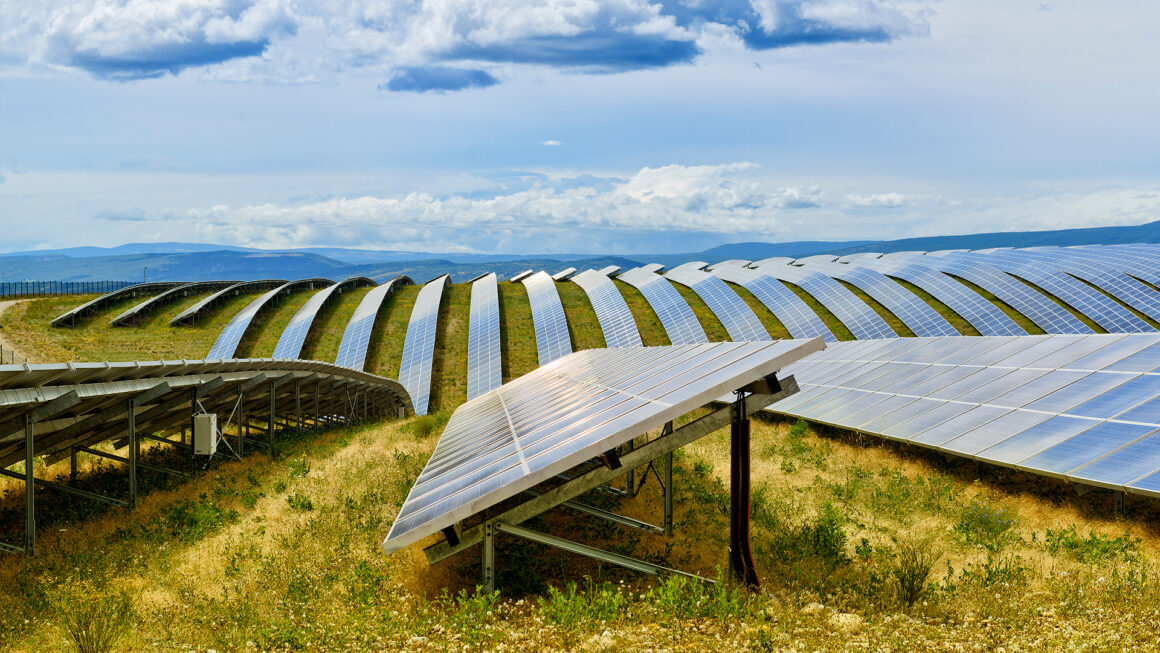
{"points": [[484, 355], [681, 324], [227, 341], [552, 338], [612, 312], [202, 307], [352, 351], [856, 314], [294, 335], [155, 302], [419, 346], [916, 314], [788, 308], [546, 422]]}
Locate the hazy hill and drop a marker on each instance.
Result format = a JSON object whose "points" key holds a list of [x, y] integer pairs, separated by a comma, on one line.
{"points": [[1145, 233]]}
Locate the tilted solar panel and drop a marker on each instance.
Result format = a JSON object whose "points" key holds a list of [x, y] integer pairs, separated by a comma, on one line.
{"points": [[681, 324], [788, 308], [856, 314], [171, 295], [1081, 407], [558, 416], [419, 346], [552, 337], [294, 335], [484, 354], [199, 310], [68, 318], [352, 351], [227, 341], [612, 312], [739, 320], [916, 314]]}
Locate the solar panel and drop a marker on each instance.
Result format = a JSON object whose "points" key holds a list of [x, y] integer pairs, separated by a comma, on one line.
{"points": [[564, 275], [558, 416], [1070, 406], [352, 351], [610, 270], [552, 338], [227, 341], [419, 345], [612, 312], [681, 324], [484, 355], [68, 318], [856, 314], [294, 335], [916, 314], [739, 320], [199, 310], [788, 308], [173, 294]]}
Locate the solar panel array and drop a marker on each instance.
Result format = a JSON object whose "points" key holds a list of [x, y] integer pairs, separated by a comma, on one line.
{"points": [[203, 306], [294, 335], [227, 341], [484, 355], [739, 320], [1085, 408], [552, 338], [856, 314], [681, 324], [916, 314], [788, 308], [149, 305], [612, 312], [1119, 285], [419, 346], [548, 421], [68, 318], [352, 351]]}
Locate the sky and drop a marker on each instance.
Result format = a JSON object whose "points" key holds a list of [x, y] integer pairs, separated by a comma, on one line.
{"points": [[571, 126]]}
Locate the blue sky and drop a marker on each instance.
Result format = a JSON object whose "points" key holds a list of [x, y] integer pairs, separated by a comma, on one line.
{"points": [[603, 127]]}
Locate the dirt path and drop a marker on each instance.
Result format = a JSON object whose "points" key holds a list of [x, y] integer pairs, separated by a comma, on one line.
{"points": [[7, 348]]}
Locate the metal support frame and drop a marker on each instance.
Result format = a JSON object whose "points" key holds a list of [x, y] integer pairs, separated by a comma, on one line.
{"points": [[134, 452], [740, 553], [600, 475]]}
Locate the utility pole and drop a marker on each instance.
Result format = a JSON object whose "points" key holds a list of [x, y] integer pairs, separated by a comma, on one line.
{"points": [[145, 275]]}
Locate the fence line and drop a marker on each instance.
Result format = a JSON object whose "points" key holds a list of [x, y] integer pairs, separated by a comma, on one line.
{"points": [[46, 288], [9, 357]]}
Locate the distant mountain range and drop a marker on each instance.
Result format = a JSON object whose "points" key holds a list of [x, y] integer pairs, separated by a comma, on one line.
{"points": [[199, 261]]}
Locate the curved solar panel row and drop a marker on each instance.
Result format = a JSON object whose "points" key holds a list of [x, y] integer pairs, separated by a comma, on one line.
{"points": [[1100, 308], [916, 314], [1119, 285], [419, 347], [612, 312], [68, 318], [199, 310], [1139, 263], [352, 351], [484, 354], [1038, 308], [982, 314], [552, 339], [681, 324], [739, 320], [294, 335], [788, 308], [227, 341], [1085, 408], [856, 314], [157, 301]]}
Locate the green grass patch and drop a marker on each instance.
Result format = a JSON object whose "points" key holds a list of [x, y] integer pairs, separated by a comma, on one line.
{"points": [[266, 328], [330, 324], [517, 331], [582, 323], [386, 345], [449, 364]]}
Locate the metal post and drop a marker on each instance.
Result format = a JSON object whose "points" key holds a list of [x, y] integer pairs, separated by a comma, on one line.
{"points": [[270, 422], [740, 553], [29, 487], [630, 478], [133, 453], [1120, 511], [241, 421], [317, 413], [669, 493], [298, 404], [489, 557], [72, 465], [192, 412]]}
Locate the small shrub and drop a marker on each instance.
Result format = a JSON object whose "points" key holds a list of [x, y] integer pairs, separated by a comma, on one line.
{"points": [[981, 525], [94, 620], [913, 562], [1006, 570], [471, 612], [1094, 548], [571, 609], [299, 467], [193, 520], [828, 535], [300, 502]]}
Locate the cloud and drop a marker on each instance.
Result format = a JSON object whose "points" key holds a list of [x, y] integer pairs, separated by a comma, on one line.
{"points": [[281, 40], [551, 143], [440, 79], [878, 200]]}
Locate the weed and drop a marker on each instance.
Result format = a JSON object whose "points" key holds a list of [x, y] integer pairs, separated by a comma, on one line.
{"points": [[914, 560], [193, 520], [471, 612], [984, 526], [300, 502], [570, 608], [94, 619], [298, 467], [1093, 548], [1002, 569]]}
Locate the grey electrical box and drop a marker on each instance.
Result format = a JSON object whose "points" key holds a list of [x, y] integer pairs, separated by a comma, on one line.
{"points": [[205, 434]]}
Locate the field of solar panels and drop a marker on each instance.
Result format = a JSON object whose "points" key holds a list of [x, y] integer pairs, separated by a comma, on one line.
{"points": [[972, 462]]}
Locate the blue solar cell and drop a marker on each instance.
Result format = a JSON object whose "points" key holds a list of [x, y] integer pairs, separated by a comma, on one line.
{"points": [[352, 350], [1084, 447], [739, 320], [916, 314], [419, 345], [681, 324], [616, 321], [552, 338], [858, 317], [227, 341], [484, 354], [1136, 460], [788, 308]]}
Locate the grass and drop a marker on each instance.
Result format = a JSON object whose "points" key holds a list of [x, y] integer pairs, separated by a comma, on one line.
{"points": [[330, 324], [835, 325], [449, 364], [957, 321], [714, 330], [652, 330], [385, 352], [768, 320], [583, 326], [886, 314], [262, 335], [517, 332], [1022, 320], [857, 546]]}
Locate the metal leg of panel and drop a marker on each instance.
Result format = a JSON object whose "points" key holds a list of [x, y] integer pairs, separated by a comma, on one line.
{"points": [[630, 478], [134, 451], [270, 422], [72, 466], [1120, 510], [240, 439], [669, 493], [488, 558], [298, 405], [29, 487], [740, 553]]}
